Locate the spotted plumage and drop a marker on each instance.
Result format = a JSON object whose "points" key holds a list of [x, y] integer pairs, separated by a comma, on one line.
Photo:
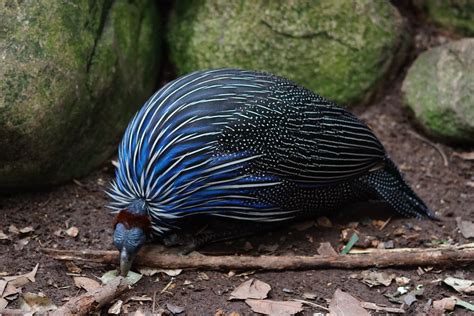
{"points": [[249, 146]]}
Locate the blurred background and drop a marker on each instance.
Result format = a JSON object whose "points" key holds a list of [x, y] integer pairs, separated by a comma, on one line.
{"points": [[74, 72]]}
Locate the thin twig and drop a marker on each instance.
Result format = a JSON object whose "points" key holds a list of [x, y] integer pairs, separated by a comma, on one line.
{"points": [[154, 303], [167, 286], [435, 146], [385, 223], [311, 304]]}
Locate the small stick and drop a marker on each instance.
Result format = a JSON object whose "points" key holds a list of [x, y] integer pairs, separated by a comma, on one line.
{"points": [[435, 146], [311, 304], [165, 289], [153, 257], [385, 223], [92, 301], [154, 303]]}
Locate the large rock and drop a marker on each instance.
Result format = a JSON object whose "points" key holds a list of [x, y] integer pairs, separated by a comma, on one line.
{"points": [[439, 90], [341, 49], [455, 15], [72, 74]]}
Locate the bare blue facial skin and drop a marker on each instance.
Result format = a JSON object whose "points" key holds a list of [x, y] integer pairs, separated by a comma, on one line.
{"points": [[128, 242]]}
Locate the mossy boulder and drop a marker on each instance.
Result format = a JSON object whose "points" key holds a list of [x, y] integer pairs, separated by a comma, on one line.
{"points": [[341, 49], [439, 90], [72, 75], [455, 15]]}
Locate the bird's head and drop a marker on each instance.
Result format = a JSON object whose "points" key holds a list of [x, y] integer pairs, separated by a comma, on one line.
{"points": [[131, 230]]}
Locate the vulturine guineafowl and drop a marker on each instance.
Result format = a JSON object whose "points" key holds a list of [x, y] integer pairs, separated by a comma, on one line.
{"points": [[248, 146]]}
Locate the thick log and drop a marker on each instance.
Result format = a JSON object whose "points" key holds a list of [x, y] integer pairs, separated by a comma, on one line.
{"points": [[92, 301], [154, 257]]}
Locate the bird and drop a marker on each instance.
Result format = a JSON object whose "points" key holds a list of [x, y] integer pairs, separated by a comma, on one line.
{"points": [[248, 146]]}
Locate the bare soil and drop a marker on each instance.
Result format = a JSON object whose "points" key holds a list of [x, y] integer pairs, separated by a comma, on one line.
{"points": [[445, 189]]}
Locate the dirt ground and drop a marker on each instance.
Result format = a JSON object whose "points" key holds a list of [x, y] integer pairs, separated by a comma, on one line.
{"points": [[446, 189]]}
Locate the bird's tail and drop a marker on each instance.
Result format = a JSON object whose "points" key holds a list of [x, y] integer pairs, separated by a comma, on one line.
{"points": [[389, 185]]}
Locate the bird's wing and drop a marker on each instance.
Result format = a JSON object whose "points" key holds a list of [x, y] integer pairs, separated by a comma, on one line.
{"points": [[303, 137], [330, 145]]}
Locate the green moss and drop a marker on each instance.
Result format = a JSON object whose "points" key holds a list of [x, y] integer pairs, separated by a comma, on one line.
{"points": [[330, 47], [439, 92], [455, 15], [75, 72]]}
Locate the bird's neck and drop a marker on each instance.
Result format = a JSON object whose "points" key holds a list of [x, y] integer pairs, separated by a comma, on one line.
{"points": [[135, 215], [137, 207]]}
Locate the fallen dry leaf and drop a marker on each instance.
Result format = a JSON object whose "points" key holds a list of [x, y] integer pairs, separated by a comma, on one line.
{"points": [[325, 249], [252, 288], [30, 302], [3, 303], [409, 299], [399, 231], [152, 272], [203, 276], [268, 248], [302, 226], [460, 285], [3, 285], [86, 283], [175, 309], [132, 277], [72, 231], [465, 227], [4, 237], [270, 307], [30, 275], [20, 244], [401, 281], [248, 246], [10, 292], [13, 229], [445, 304], [344, 304], [72, 267], [19, 282], [381, 224], [379, 308], [26, 230], [138, 312], [323, 221], [309, 296], [115, 308], [375, 278]]}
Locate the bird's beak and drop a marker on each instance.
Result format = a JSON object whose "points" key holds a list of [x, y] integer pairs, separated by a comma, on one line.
{"points": [[126, 261]]}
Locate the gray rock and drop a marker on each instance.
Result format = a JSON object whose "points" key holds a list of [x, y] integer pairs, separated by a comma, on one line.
{"points": [[439, 90], [340, 49], [72, 75]]}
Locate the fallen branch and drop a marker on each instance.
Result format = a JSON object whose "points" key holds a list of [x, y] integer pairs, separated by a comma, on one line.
{"points": [[92, 301], [435, 146], [153, 257]]}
